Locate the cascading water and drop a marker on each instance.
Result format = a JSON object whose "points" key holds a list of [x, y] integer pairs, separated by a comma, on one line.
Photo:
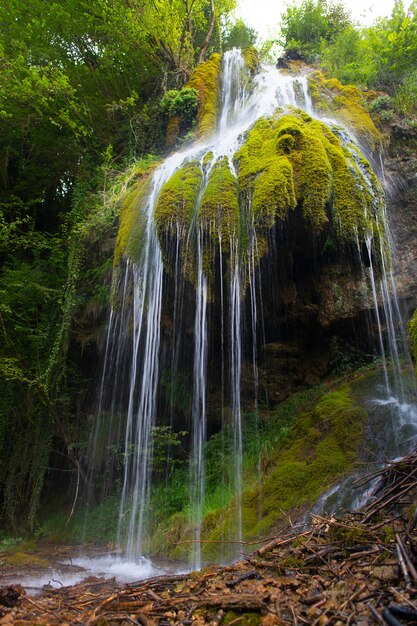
{"points": [[199, 403], [205, 254]]}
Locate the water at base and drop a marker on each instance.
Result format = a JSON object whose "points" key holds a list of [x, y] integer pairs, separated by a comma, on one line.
{"points": [[71, 570]]}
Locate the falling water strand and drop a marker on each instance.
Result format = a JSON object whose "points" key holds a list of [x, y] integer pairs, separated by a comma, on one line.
{"points": [[377, 316], [235, 375], [199, 403], [254, 326], [222, 357], [234, 91], [141, 411]]}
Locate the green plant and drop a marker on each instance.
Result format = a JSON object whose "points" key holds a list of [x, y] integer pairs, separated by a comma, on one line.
{"points": [[183, 103], [405, 98]]}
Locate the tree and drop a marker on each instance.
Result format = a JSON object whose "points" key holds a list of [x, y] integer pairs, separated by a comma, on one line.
{"points": [[238, 35], [306, 26], [80, 84], [392, 46]]}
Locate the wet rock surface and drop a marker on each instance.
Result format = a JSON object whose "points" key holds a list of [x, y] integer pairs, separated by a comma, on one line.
{"points": [[401, 177]]}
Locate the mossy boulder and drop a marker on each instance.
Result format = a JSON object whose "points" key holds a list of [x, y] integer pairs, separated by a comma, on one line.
{"points": [[177, 200], [294, 159], [252, 60], [345, 102], [412, 327], [206, 80], [265, 177], [133, 222], [218, 212]]}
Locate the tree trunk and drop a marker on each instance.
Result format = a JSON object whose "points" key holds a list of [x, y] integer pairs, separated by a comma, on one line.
{"points": [[206, 42]]}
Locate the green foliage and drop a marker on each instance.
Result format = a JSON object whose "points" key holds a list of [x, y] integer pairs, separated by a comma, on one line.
{"points": [[165, 443], [346, 358], [383, 107], [405, 98], [79, 97], [306, 26], [392, 44], [183, 103], [382, 56], [178, 390], [237, 34], [412, 327], [345, 57]]}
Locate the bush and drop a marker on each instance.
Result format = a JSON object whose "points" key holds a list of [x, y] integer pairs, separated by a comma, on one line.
{"points": [[182, 103], [406, 95]]}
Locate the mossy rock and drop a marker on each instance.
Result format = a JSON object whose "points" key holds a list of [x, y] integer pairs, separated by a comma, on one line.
{"points": [[252, 60], [294, 159], [133, 220], [347, 103], [412, 327], [206, 80], [218, 212], [286, 161], [177, 200]]}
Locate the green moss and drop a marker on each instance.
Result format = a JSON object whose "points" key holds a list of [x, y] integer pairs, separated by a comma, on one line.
{"points": [[131, 192], [178, 198], [320, 103], [295, 159], [252, 61], [206, 80], [173, 130], [219, 208], [320, 448], [242, 619], [315, 175], [132, 223], [265, 176], [23, 559], [207, 160], [347, 103], [412, 327], [350, 536]]}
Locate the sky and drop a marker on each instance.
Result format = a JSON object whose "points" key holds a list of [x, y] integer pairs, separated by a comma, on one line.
{"points": [[264, 15]]}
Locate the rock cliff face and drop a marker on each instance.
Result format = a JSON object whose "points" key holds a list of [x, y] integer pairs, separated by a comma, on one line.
{"points": [[401, 182], [343, 295], [330, 298]]}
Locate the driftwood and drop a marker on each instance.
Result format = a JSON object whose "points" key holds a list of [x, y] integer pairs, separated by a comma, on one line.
{"points": [[360, 568]]}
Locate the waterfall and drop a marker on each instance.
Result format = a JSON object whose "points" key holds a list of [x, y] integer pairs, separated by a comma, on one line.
{"points": [[199, 403], [235, 377], [208, 261]]}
